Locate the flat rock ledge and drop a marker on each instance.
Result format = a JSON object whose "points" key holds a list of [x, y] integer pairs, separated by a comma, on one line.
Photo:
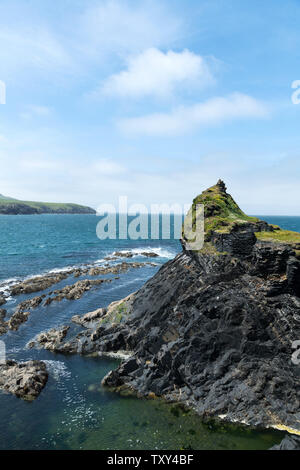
{"points": [[24, 380]]}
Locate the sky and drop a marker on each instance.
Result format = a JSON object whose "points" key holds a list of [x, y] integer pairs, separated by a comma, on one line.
{"points": [[153, 100]]}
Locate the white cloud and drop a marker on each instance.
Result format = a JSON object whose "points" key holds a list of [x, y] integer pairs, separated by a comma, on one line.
{"points": [[156, 73], [123, 26], [188, 118]]}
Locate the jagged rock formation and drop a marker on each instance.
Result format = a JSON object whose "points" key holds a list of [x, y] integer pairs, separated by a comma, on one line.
{"points": [[25, 380], [212, 329]]}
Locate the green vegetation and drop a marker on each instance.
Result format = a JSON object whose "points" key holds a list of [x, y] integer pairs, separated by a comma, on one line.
{"points": [[117, 315], [220, 210], [223, 215], [12, 206], [283, 236], [210, 249]]}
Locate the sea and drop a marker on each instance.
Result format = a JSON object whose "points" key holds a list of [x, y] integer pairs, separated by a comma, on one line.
{"points": [[74, 411]]}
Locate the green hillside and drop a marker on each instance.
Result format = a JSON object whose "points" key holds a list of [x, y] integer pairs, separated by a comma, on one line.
{"points": [[11, 206]]}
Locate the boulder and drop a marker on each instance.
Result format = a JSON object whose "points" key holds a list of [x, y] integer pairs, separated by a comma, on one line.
{"points": [[24, 380]]}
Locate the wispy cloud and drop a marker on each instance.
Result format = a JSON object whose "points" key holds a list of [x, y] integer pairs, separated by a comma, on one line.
{"points": [[156, 73], [188, 118], [124, 26], [31, 49]]}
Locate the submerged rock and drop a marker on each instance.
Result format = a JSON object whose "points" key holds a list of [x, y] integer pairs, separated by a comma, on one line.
{"points": [[129, 254], [42, 282], [213, 329], [25, 380], [150, 254]]}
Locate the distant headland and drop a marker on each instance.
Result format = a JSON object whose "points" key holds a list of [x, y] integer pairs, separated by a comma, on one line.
{"points": [[11, 206]]}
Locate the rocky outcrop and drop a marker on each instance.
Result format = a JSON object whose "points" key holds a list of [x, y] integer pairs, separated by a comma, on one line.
{"points": [[25, 380], [71, 292], [42, 282], [290, 442], [51, 339], [2, 300], [89, 319], [17, 319], [37, 284], [75, 291], [129, 254], [3, 323], [212, 329]]}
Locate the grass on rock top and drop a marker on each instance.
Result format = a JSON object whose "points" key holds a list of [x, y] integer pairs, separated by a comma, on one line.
{"points": [[220, 210], [282, 236], [222, 213]]}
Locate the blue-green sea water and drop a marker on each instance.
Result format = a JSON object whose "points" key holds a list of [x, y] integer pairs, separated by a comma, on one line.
{"points": [[74, 411]]}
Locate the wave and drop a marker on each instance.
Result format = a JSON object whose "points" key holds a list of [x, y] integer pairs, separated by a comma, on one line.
{"points": [[57, 369], [5, 287], [161, 252]]}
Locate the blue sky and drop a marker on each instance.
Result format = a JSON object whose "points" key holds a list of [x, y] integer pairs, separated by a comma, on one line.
{"points": [[155, 100]]}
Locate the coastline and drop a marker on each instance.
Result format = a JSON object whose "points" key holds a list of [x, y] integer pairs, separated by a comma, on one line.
{"points": [[35, 314]]}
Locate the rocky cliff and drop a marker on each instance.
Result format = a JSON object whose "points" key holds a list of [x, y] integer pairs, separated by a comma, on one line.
{"points": [[213, 329]]}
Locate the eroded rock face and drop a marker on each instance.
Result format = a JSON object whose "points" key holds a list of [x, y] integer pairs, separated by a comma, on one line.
{"points": [[205, 331], [213, 329], [25, 380], [208, 333]]}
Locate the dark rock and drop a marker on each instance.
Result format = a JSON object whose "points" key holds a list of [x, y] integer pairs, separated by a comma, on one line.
{"points": [[17, 319], [212, 329], [149, 254], [290, 442], [119, 254], [29, 304], [293, 275], [235, 243], [2, 313]]}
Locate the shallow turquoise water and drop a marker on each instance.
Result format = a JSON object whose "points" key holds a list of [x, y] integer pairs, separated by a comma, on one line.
{"points": [[74, 411]]}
